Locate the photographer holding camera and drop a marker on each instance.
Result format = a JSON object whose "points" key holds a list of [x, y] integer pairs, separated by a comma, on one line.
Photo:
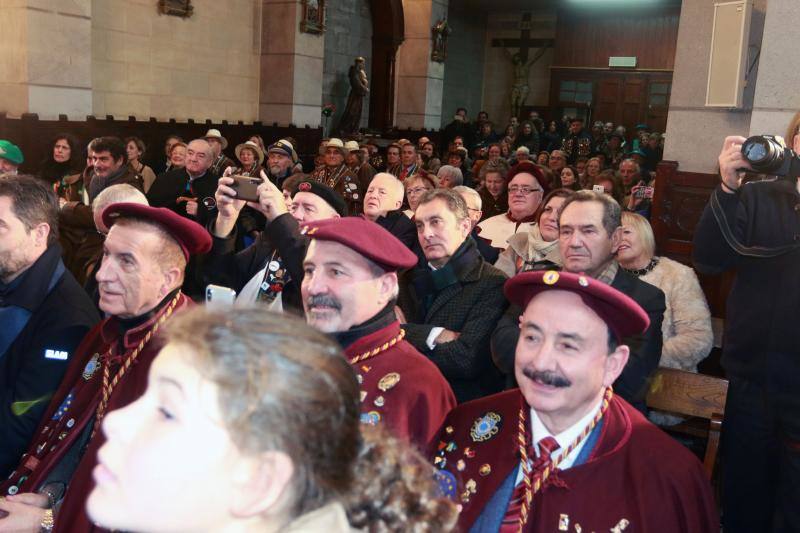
{"points": [[754, 228]]}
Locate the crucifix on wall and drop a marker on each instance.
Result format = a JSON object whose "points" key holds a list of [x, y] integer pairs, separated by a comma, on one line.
{"points": [[522, 64]]}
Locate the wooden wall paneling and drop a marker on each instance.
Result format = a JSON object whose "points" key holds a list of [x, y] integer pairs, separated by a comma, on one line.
{"points": [[587, 37], [608, 98], [678, 203]]}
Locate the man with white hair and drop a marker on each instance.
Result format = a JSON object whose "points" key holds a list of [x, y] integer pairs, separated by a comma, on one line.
{"points": [[474, 210], [189, 191], [449, 177], [382, 205], [523, 153]]}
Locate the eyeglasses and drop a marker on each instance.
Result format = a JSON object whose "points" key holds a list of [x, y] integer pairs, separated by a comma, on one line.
{"points": [[514, 189]]}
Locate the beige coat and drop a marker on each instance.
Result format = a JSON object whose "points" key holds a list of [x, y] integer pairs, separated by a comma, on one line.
{"points": [[526, 247]]}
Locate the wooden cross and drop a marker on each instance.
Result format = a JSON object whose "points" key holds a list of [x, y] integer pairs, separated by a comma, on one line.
{"points": [[524, 43]]}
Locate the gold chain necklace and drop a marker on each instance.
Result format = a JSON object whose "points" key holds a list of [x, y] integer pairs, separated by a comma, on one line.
{"points": [[375, 351], [531, 487], [110, 383]]}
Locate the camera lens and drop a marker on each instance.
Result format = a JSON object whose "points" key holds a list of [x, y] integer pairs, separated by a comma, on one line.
{"points": [[755, 151]]}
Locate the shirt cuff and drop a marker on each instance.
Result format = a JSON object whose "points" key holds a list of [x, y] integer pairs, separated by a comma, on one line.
{"points": [[430, 341]]}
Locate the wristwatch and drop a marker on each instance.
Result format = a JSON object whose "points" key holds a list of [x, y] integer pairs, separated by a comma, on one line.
{"points": [[47, 521]]}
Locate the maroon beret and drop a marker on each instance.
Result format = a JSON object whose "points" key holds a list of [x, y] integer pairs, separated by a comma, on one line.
{"points": [[530, 168], [622, 315], [365, 237], [189, 235]]}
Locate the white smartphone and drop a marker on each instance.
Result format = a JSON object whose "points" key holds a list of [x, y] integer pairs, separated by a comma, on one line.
{"points": [[218, 297], [598, 188]]}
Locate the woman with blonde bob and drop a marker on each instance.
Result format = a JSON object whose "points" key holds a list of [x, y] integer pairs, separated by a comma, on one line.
{"points": [[686, 328], [250, 422]]}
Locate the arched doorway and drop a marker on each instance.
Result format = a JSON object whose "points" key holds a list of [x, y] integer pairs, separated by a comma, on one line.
{"points": [[387, 34]]}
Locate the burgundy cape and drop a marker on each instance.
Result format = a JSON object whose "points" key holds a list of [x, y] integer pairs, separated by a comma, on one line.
{"points": [[417, 398], [73, 409], [636, 477]]}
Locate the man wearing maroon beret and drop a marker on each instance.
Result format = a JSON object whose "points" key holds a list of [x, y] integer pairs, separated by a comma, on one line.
{"points": [[563, 452], [349, 291], [144, 257]]}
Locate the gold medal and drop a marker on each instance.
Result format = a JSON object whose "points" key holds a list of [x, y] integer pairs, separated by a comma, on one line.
{"points": [[485, 470], [550, 277], [389, 381]]}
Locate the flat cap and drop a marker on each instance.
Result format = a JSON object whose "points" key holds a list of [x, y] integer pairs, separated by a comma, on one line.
{"points": [[365, 237], [621, 313], [190, 236], [333, 198]]}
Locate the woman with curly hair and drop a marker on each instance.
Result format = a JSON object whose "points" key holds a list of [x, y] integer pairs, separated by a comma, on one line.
{"points": [[250, 422]]}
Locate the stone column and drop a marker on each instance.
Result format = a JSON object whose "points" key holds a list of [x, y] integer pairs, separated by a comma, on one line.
{"points": [[420, 81], [291, 67], [695, 133], [777, 98], [46, 65]]}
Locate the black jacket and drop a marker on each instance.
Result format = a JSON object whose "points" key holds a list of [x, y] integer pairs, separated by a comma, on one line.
{"points": [[645, 354], [226, 267], [402, 227], [166, 190], [761, 332], [32, 367], [471, 307]]}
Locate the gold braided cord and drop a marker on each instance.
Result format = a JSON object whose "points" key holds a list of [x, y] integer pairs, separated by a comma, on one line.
{"points": [[375, 351], [110, 383], [533, 486]]}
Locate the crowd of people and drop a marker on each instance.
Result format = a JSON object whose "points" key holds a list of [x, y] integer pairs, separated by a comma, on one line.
{"points": [[413, 340]]}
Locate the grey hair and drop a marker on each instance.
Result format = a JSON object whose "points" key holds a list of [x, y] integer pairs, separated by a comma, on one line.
{"points": [[472, 193], [116, 194], [455, 202], [612, 213], [452, 172]]}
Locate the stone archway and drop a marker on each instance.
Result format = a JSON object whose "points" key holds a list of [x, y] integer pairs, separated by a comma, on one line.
{"points": [[388, 31]]}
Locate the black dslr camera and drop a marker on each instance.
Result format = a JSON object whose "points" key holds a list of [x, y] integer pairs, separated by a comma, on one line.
{"points": [[768, 154]]}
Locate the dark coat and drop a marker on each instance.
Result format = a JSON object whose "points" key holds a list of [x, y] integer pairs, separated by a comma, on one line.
{"points": [[169, 187], [59, 321], [761, 333], [402, 227], [471, 307], [68, 454], [226, 267], [632, 384]]}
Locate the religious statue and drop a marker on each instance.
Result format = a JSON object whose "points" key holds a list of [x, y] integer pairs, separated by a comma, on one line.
{"points": [[439, 34], [519, 87], [359, 87]]}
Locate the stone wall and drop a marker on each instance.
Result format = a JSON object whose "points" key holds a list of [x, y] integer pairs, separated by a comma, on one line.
{"points": [[463, 68], [348, 35], [45, 67], [498, 70], [695, 147], [150, 65]]}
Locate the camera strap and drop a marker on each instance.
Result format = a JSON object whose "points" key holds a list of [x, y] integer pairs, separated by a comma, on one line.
{"points": [[733, 242]]}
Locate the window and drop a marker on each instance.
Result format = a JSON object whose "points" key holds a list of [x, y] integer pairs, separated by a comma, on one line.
{"points": [[659, 94], [574, 91]]}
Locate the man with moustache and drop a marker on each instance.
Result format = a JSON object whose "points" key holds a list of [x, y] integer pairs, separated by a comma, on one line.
{"points": [[281, 159], [349, 291], [144, 258], [564, 452], [589, 234], [269, 271], [336, 175]]}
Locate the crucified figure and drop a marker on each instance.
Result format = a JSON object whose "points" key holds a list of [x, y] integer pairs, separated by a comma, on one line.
{"points": [[519, 87]]}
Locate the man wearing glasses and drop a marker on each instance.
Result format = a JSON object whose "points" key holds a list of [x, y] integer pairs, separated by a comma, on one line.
{"points": [[525, 193]]}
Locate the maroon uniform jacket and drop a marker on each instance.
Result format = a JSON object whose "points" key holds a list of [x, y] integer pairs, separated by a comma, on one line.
{"points": [[400, 387], [68, 421], [634, 477]]}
